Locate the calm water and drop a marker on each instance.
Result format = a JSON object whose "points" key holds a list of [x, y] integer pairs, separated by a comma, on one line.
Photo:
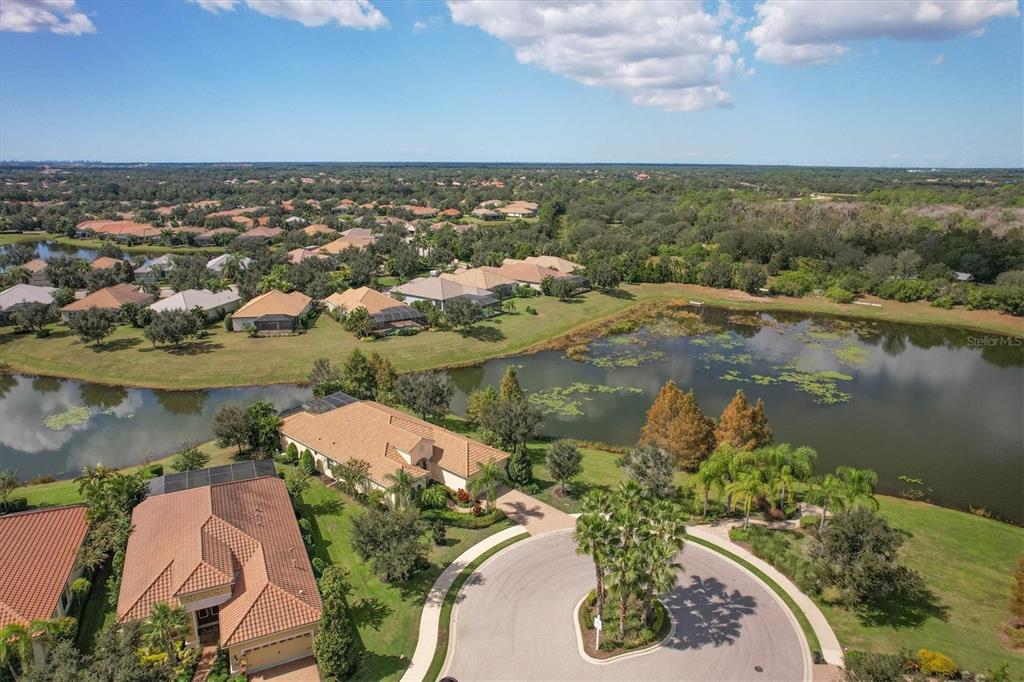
{"points": [[90, 423], [50, 249], [902, 400]]}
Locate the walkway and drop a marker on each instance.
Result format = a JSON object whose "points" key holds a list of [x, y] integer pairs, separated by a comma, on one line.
{"points": [[719, 535], [536, 516], [426, 641], [515, 620]]}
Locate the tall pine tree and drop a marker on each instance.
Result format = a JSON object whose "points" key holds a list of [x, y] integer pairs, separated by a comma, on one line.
{"points": [[676, 424], [743, 425], [510, 388]]}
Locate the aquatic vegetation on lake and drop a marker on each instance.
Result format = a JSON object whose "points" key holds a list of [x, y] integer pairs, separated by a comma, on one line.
{"points": [[852, 354], [73, 416], [821, 384], [567, 401], [730, 359], [628, 359]]}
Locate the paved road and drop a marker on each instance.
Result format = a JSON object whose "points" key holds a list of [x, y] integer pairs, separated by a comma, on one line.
{"points": [[514, 621]]}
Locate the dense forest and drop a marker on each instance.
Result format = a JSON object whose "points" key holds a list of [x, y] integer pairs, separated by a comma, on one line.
{"points": [[904, 234]]}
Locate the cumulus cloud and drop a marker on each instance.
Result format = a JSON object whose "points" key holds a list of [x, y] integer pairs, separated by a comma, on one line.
{"points": [[938, 60], [55, 16], [807, 32], [347, 13], [670, 55]]}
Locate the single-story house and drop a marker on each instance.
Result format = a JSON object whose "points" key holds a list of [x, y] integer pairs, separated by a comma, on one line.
{"points": [[36, 272], [554, 263], [294, 220], [272, 311], [155, 269], [21, 295], [439, 291], [387, 440], [317, 229], [109, 298], [260, 234], [519, 209], [38, 565], [216, 235], [218, 263], [304, 252], [420, 211], [484, 278], [231, 554], [486, 214], [121, 230], [451, 213], [356, 237], [105, 263], [387, 313], [963, 276], [243, 221], [216, 304], [458, 227], [529, 274]]}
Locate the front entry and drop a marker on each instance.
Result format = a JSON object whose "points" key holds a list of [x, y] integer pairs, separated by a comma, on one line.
{"points": [[208, 625]]}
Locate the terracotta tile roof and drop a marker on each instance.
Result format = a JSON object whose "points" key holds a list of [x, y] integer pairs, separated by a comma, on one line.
{"points": [[117, 228], [39, 551], [358, 237], [261, 233], [275, 302], [35, 265], [439, 289], [365, 297], [455, 226], [243, 533], [302, 253], [110, 298], [528, 273], [317, 228], [483, 278], [104, 262], [420, 211], [451, 213], [373, 432], [555, 263]]}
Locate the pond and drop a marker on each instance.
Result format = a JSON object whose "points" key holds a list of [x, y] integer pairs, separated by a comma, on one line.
{"points": [[941, 405], [55, 427], [48, 249]]}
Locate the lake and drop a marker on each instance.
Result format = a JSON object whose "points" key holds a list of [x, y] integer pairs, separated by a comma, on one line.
{"points": [[942, 405], [48, 249], [55, 427]]}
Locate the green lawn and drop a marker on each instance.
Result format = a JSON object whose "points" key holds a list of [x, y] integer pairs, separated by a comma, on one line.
{"points": [[6, 239], [387, 616], [966, 560]]}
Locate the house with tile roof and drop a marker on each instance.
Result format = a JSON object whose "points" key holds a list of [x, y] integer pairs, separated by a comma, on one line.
{"points": [[440, 291], [21, 296], [356, 237], [37, 565], [215, 304], [484, 277], [108, 298], [232, 555], [387, 313], [37, 272], [317, 229], [260, 234], [274, 311], [555, 263], [105, 263], [387, 440]]}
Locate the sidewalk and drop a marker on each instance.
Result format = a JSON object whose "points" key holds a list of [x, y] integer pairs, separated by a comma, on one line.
{"points": [[426, 641], [830, 648]]}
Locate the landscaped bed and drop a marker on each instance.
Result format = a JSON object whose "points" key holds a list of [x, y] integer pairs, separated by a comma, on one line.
{"points": [[638, 636]]}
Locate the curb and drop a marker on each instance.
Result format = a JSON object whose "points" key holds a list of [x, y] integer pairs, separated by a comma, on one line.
{"points": [[650, 648]]}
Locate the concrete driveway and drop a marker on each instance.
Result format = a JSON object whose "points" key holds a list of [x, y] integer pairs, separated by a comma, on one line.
{"points": [[514, 621], [536, 516]]}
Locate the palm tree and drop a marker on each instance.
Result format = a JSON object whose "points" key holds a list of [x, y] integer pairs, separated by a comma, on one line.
{"points": [[166, 626], [593, 537], [402, 486], [747, 489], [826, 490], [708, 476], [622, 577], [858, 485], [660, 572], [16, 644], [488, 476]]}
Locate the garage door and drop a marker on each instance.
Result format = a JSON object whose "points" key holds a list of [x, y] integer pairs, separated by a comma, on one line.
{"points": [[279, 652]]}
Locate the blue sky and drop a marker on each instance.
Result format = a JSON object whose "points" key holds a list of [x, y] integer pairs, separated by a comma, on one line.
{"points": [[740, 83]]}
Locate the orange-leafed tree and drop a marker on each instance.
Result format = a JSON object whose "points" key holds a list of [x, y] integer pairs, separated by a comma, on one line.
{"points": [[676, 424], [743, 425]]}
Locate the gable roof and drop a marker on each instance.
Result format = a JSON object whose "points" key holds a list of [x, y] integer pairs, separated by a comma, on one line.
{"points": [[275, 302], [39, 551], [318, 228], [358, 237], [529, 273], [217, 263], [25, 293], [34, 265], [375, 433], [104, 262], [304, 252], [482, 278], [110, 298], [439, 289], [242, 534], [555, 263], [192, 298]]}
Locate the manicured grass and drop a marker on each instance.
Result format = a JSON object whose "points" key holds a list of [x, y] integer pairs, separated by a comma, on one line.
{"points": [[234, 359], [387, 616], [65, 491], [96, 613], [444, 626]]}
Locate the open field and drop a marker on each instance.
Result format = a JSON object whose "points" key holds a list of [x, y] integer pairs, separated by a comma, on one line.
{"points": [[235, 359]]}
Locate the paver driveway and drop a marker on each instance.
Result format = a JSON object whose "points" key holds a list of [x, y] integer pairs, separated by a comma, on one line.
{"points": [[514, 621]]}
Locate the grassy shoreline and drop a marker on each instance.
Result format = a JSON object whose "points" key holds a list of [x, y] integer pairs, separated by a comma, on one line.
{"points": [[227, 359], [6, 239]]}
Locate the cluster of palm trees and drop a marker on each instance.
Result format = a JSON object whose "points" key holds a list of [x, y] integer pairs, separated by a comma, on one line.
{"points": [[769, 477], [634, 540], [16, 641]]}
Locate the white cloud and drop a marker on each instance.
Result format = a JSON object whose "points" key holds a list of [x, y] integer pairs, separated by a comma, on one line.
{"points": [[938, 59], [428, 24], [56, 16], [807, 32], [670, 55], [347, 13]]}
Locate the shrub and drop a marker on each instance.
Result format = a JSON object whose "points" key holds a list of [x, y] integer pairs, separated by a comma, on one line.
{"points": [[291, 454], [477, 509], [156, 470], [80, 587], [454, 519], [318, 566], [307, 463], [934, 663], [438, 531], [530, 310], [463, 498], [945, 301], [227, 322], [839, 295], [866, 666], [810, 521], [434, 497]]}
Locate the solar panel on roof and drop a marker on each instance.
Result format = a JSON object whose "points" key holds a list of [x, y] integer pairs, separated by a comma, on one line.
{"points": [[199, 478]]}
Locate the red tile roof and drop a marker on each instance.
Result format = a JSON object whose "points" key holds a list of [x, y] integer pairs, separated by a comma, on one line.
{"points": [[38, 553], [110, 298]]}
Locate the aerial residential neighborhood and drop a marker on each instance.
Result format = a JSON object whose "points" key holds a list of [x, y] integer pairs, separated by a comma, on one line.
{"points": [[452, 340]]}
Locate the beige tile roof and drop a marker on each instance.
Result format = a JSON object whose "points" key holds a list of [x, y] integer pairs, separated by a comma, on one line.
{"points": [[482, 278], [261, 233], [438, 289], [242, 532], [370, 431], [317, 228], [38, 552], [555, 263], [365, 297], [35, 265], [104, 262], [358, 237], [117, 228], [528, 273], [110, 298], [275, 302], [303, 253]]}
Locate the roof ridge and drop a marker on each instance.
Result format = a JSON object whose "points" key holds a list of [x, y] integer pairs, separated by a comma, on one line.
{"points": [[144, 592]]}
